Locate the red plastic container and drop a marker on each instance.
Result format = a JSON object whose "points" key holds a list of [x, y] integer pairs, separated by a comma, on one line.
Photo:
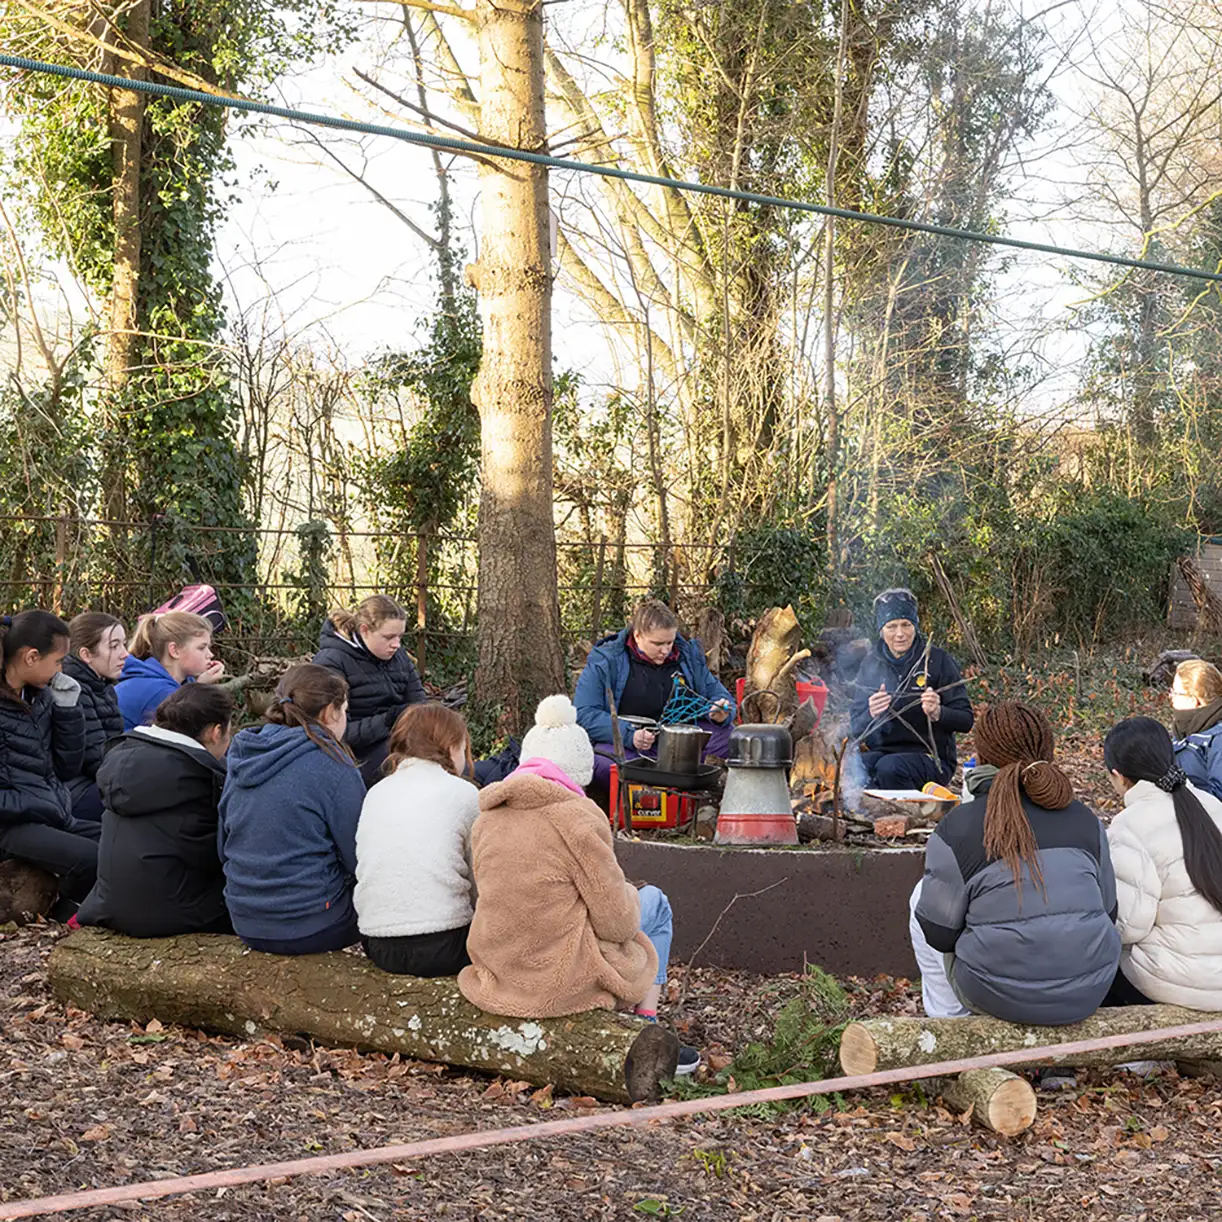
{"points": [[816, 691]]}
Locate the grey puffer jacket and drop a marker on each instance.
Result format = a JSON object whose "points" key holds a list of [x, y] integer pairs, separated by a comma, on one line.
{"points": [[1044, 958]]}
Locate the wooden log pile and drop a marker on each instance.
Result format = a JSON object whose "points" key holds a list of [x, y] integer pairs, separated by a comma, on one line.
{"points": [[214, 983]]}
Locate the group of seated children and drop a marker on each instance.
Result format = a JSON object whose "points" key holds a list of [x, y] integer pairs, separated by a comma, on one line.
{"points": [[273, 834], [345, 817], [1032, 912]]}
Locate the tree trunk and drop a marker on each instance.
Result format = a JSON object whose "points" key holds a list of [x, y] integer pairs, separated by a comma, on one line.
{"points": [[214, 983], [126, 135], [892, 1043], [999, 1100], [520, 655]]}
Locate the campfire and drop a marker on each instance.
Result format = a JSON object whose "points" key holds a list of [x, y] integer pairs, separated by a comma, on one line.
{"points": [[827, 788]]}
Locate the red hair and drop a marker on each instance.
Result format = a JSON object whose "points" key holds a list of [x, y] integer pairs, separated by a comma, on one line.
{"points": [[428, 732]]}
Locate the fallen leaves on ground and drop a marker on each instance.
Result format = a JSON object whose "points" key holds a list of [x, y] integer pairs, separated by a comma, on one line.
{"points": [[101, 1110]]}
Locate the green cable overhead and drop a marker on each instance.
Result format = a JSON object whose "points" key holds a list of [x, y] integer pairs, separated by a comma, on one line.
{"points": [[178, 94]]}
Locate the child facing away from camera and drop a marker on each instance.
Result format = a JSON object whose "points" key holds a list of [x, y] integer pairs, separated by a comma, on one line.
{"points": [[415, 893]]}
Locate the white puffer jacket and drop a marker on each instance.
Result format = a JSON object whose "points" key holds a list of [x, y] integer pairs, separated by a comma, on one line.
{"points": [[1172, 935]]}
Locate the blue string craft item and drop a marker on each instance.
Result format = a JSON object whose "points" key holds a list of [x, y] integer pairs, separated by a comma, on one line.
{"points": [[684, 707]]}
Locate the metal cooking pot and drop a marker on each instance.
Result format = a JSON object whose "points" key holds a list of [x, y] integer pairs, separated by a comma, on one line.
{"points": [[679, 748], [760, 746]]}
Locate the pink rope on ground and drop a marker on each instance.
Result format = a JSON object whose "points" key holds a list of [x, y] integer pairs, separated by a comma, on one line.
{"points": [[153, 1189]]}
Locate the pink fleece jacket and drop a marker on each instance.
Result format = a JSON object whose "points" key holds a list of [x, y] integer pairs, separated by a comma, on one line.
{"points": [[538, 766]]}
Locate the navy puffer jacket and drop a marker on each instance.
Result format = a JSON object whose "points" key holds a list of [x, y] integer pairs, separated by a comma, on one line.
{"points": [[377, 691], [41, 747], [99, 702]]}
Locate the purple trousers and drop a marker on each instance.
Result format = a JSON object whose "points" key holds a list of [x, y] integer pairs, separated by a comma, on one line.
{"points": [[604, 753]]}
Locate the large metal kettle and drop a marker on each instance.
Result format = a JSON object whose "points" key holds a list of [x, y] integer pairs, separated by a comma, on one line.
{"points": [[680, 748]]}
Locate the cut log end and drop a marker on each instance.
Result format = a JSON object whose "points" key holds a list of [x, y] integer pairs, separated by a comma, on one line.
{"points": [[26, 892], [998, 1099], [858, 1050]]}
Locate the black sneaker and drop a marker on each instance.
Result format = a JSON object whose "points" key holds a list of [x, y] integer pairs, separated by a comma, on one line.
{"points": [[689, 1061]]}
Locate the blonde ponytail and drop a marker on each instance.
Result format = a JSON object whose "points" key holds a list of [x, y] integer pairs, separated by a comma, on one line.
{"points": [[370, 613], [156, 633]]}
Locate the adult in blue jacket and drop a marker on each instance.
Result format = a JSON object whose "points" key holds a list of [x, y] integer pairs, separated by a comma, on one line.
{"points": [[910, 701], [288, 816], [640, 666], [1196, 712], [42, 743]]}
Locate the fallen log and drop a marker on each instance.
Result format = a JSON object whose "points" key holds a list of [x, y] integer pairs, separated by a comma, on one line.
{"points": [[892, 1043], [26, 892], [214, 983], [998, 1099]]}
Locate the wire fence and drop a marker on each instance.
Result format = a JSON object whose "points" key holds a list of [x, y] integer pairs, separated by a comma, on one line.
{"points": [[68, 565]]}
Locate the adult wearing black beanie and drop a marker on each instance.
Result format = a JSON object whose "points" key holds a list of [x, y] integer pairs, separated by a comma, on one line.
{"points": [[909, 701]]}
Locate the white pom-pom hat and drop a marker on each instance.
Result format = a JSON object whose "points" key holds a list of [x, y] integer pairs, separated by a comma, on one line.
{"points": [[557, 737]]}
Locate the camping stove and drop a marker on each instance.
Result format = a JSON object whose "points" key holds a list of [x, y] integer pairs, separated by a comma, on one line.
{"points": [[755, 808]]}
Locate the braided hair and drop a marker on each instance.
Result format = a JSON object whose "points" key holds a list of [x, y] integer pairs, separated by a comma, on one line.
{"points": [[1140, 749], [1017, 739]]}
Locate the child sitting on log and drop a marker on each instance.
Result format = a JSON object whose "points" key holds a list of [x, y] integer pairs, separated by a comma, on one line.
{"points": [[1167, 848], [557, 927], [414, 893], [1019, 893], [639, 665], [288, 821], [158, 870], [366, 647], [95, 660], [42, 742], [167, 651]]}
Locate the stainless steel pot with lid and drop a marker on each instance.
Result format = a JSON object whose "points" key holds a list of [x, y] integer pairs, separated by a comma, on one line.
{"points": [[760, 746]]}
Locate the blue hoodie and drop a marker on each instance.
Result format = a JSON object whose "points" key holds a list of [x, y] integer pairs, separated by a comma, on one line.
{"points": [[142, 686], [287, 835]]}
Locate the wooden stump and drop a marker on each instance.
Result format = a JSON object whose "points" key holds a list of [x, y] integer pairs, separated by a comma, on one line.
{"points": [[893, 1043], [214, 983], [26, 892], [770, 693], [999, 1100]]}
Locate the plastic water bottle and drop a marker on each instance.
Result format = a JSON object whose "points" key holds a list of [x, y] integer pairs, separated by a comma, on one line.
{"points": [[968, 765]]}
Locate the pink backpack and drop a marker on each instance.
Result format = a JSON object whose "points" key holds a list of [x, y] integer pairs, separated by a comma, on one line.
{"points": [[199, 600]]}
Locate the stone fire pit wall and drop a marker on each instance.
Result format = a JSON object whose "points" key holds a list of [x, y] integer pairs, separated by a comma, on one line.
{"points": [[845, 910]]}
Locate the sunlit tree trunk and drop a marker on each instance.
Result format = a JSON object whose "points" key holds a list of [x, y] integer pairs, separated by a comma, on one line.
{"points": [[520, 655], [126, 135]]}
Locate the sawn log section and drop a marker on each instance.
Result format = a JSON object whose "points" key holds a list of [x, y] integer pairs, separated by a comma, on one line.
{"points": [[893, 1043], [215, 983]]}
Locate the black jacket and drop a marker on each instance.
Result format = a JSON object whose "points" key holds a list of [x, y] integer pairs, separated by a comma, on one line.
{"points": [[41, 746], [159, 873], [377, 691], [99, 702], [904, 727]]}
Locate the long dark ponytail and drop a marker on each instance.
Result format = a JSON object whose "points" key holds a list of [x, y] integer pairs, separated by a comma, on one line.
{"points": [[1140, 749]]}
